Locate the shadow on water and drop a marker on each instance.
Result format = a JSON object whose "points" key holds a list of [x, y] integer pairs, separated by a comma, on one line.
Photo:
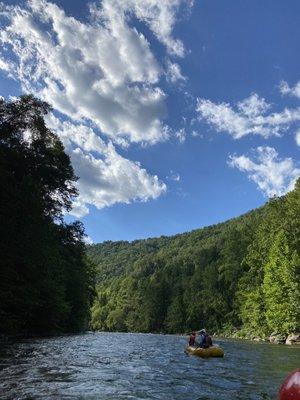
{"points": [[140, 366]]}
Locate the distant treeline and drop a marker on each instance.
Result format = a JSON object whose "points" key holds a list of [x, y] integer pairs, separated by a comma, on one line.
{"points": [[242, 275], [46, 282]]}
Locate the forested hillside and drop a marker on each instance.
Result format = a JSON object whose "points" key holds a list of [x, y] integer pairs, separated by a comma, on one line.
{"points": [[46, 282], [242, 275]]}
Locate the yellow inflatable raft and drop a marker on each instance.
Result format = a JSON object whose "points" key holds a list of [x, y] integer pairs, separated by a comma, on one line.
{"points": [[212, 351]]}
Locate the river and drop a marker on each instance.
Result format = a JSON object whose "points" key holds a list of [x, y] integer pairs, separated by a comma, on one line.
{"points": [[140, 366]]}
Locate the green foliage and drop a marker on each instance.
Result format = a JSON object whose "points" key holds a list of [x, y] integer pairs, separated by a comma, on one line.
{"points": [[46, 282], [252, 311], [281, 287], [242, 274]]}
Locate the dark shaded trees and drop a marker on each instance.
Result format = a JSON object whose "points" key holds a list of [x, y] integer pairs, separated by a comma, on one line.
{"points": [[45, 281]]}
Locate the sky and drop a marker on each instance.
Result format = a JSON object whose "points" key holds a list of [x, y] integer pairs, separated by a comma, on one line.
{"points": [[176, 114]]}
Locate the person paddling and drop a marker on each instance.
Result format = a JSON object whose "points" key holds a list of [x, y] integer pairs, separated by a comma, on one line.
{"points": [[204, 339], [202, 334], [208, 340], [192, 339]]}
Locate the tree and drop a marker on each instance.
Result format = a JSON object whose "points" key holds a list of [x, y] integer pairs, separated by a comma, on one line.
{"points": [[281, 287], [43, 273], [241, 274]]}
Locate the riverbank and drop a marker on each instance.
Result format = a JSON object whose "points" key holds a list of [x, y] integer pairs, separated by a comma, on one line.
{"points": [[292, 339]]}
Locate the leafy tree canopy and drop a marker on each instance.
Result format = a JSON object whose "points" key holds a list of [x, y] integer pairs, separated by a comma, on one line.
{"points": [[45, 280], [241, 275]]}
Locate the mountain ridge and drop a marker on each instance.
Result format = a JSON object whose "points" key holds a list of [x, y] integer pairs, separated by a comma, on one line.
{"points": [[223, 276]]}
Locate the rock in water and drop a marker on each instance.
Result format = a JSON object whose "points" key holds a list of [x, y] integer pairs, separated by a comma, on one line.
{"points": [[293, 338], [277, 338]]}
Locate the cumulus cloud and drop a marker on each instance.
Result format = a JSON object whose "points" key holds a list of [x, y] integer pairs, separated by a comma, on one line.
{"points": [[160, 16], [273, 176], [111, 180], [105, 177], [103, 77], [102, 71], [249, 116], [285, 89]]}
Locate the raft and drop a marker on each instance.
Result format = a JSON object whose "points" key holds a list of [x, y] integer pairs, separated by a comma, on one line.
{"points": [[212, 351]]}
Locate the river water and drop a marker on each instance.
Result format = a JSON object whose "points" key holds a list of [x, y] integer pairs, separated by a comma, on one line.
{"points": [[140, 366]]}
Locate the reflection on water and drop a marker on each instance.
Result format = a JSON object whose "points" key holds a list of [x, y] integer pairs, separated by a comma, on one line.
{"points": [[140, 366]]}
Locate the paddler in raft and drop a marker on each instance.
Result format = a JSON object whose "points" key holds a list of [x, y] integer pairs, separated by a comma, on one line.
{"points": [[204, 339], [204, 348], [192, 339]]}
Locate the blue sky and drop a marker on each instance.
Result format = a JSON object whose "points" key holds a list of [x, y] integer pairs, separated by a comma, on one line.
{"points": [[176, 115]]}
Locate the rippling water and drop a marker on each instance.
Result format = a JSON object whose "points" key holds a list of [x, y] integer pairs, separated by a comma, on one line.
{"points": [[140, 366]]}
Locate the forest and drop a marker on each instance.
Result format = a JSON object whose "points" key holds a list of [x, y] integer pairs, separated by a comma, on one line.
{"points": [[46, 280], [240, 277]]}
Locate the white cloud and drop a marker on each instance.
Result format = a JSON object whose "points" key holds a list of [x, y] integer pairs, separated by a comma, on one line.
{"points": [[250, 116], [253, 106], [273, 176], [174, 176], [196, 134], [88, 240], [297, 137], [100, 74], [102, 71], [160, 16], [114, 179], [5, 65], [173, 73], [79, 209], [181, 135], [105, 177], [285, 89]]}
